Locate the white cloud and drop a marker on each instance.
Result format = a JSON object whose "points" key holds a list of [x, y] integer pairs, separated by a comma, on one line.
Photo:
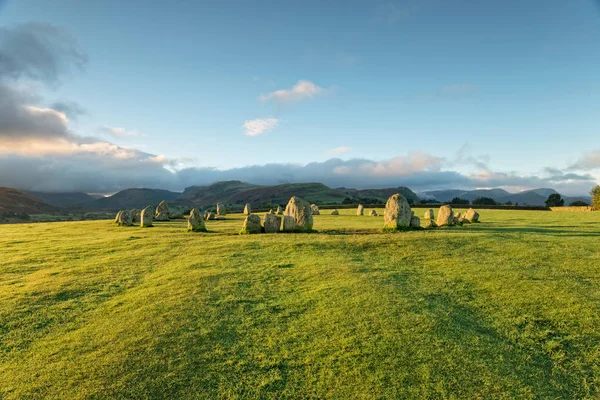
{"points": [[255, 127], [117, 132], [301, 90], [395, 167], [340, 150]]}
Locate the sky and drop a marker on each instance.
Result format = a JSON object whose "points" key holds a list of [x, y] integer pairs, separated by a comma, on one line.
{"points": [[99, 96]]}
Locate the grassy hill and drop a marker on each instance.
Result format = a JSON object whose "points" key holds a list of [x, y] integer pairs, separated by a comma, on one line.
{"points": [[217, 192], [534, 197], [503, 309], [67, 199], [135, 198], [14, 201], [366, 195]]}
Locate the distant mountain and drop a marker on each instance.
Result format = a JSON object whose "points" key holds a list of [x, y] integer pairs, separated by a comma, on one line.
{"points": [[74, 199], [14, 201], [217, 192], [534, 197], [135, 198], [364, 195]]}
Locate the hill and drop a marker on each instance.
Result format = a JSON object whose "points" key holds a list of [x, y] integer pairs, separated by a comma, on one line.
{"points": [[68, 199], [14, 201], [138, 198], [534, 197], [217, 192]]}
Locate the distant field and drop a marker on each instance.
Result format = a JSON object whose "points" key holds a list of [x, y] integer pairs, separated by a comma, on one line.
{"points": [[508, 308]]}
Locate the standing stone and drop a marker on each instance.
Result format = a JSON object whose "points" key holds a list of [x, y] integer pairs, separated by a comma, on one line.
{"points": [[251, 224], [271, 223], [117, 216], [124, 218], [429, 214], [135, 216], [209, 216], [360, 210], [196, 221], [314, 209], [415, 222], [335, 212], [271, 211], [288, 224], [445, 216], [221, 209], [373, 213], [397, 213], [247, 209], [146, 217], [162, 212], [430, 223], [472, 215], [279, 210], [302, 213]]}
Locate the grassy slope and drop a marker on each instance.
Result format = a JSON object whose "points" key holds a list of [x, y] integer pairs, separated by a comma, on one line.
{"points": [[503, 309]]}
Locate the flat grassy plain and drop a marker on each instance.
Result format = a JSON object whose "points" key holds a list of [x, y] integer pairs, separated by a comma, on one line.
{"points": [[508, 308]]}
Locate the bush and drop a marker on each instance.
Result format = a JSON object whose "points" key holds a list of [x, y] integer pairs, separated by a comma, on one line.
{"points": [[458, 200], [595, 192], [578, 203], [484, 201], [555, 200]]}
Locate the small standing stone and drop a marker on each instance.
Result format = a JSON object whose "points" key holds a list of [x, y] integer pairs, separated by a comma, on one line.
{"points": [[279, 210], [315, 209], [221, 209], [397, 212], [162, 212], [135, 216], [251, 224], [124, 218], [360, 210], [117, 216], [247, 209], [196, 221], [301, 211], [373, 213], [335, 212], [415, 222], [429, 214], [445, 216], [271, 223], [146, 217], [472, 215]]}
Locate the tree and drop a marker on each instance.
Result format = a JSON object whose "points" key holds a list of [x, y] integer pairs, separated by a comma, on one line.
{"points": [[484, 201], [578, 203], [508, 203], [596, 197], [458, 200], [555, 200]]}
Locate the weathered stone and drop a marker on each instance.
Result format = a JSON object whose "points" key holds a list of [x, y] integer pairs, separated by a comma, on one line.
{"points": [[445, 216], [176, 216], [397, 212], [162, 212], [271, 211], [124, 218], [314, 209], [415, 222], [251, 224], [279, 210], [335, 212], [373, 213], [196, 221], [429, 214], [360, 210], [209, 216], [472, 215], [430, 223], [247, 210], [135, 216], [271, 223], [288, 223], [221, 209], [146, 217], [117, 216], [301, 211]]}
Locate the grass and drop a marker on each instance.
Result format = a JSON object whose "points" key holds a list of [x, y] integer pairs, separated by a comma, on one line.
{"points": [[504, 309]]}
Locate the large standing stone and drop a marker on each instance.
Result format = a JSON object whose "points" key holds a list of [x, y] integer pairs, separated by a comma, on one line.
{"points": [[124, 218], [445, 216], [429, 214], [314, 209], [251, 224], [415, 222], [279, 210], [196, 221], [271, 223], [472, 215], [146, 217], [288, 224], [162, 212], [135, 216], [397, 212], [247, 210], [335, 212], [373, 213], [360, 210], [302, 213], [221, 209]]}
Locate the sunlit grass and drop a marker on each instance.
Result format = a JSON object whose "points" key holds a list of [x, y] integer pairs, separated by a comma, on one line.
{"points": [[508, 308]]}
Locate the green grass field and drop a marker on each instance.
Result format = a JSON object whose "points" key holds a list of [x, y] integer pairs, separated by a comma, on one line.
{"points": [[508, 308]]}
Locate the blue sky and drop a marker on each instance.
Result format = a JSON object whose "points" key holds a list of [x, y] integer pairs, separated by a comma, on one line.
{"points": [[485, 90]]}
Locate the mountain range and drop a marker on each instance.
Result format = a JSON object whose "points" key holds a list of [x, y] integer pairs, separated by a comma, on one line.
{"points": [[534, 197]]}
